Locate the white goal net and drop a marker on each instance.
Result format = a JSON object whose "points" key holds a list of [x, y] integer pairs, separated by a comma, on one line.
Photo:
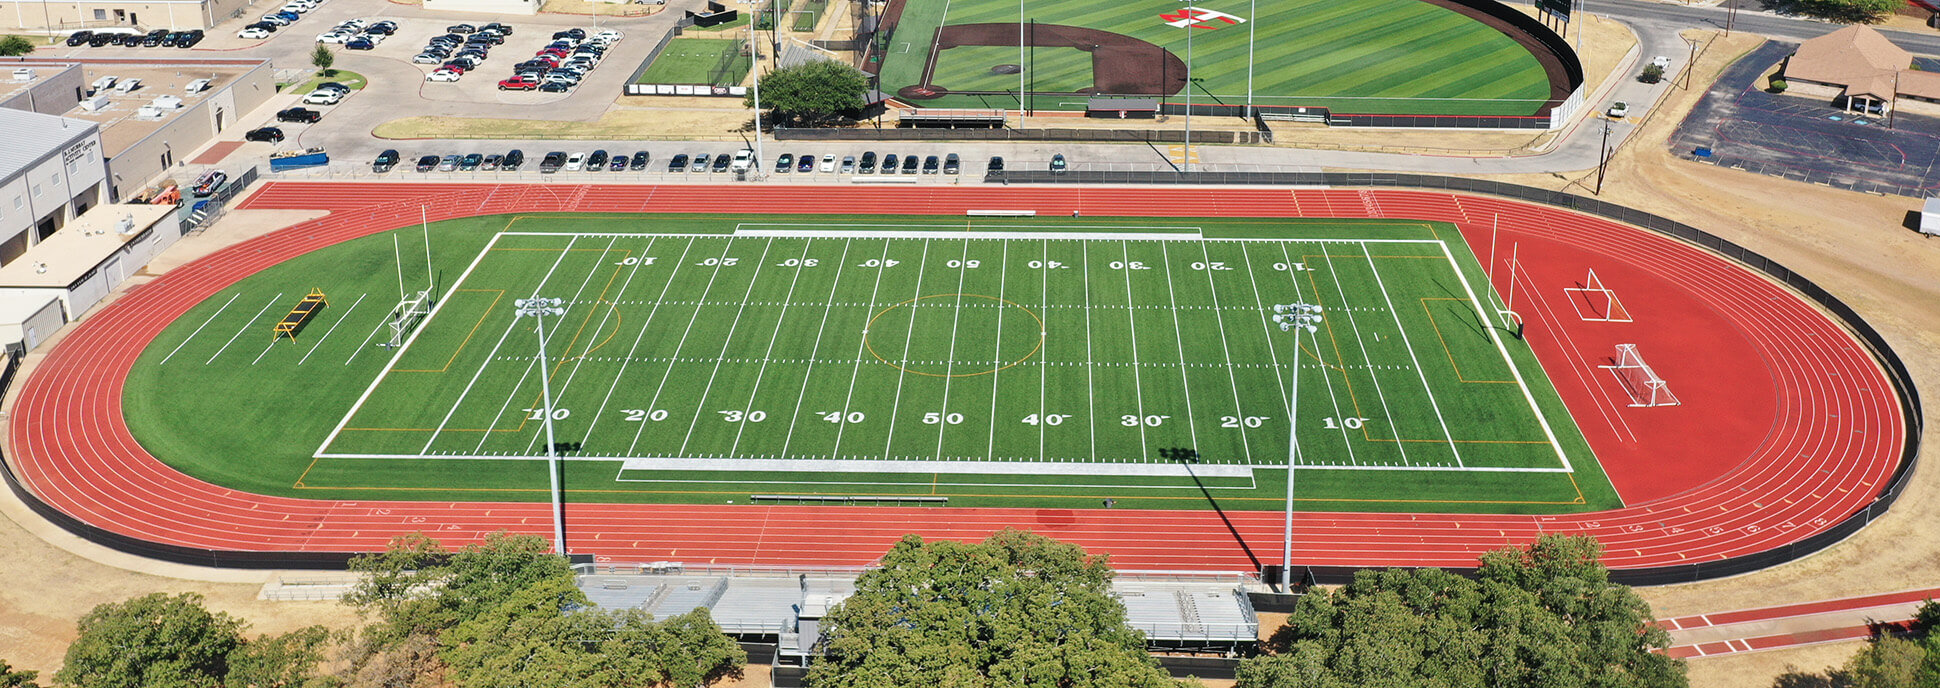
{"points": [[1638, 380]]}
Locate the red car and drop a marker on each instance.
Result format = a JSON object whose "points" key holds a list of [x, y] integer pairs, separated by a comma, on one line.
{"points": [[518, 83], [559, 53]]}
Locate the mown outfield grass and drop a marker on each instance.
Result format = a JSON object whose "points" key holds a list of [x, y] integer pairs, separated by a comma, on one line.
{"points": [[672, 357], [711, 61], [1369, 56]]}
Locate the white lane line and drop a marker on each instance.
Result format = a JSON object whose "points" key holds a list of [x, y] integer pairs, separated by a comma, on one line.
{"points": [[198, 329], [1412, 358], [333, 328], [815, 352], [245, 328]]}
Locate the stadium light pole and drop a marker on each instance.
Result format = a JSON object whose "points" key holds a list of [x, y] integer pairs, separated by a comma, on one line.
{"points": [[537, 308], [1252, 21], [1293, 317], [1191, 23]]}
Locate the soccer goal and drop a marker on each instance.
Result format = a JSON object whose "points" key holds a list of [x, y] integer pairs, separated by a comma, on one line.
{"points": [[1595, 302], [406, 316], [1639, 381]]}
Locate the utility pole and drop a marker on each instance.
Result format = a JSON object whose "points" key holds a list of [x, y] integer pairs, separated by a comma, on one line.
{"points": [[1603, 155], [1730, 15], [1293, 317], [1690, 65], [1193, 23], [537, 308]]}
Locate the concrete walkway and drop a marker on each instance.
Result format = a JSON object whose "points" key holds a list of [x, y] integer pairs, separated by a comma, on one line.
{"points": [[1793, 625]]}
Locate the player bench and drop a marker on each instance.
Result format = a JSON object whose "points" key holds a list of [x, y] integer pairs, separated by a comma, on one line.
{"points": [[852, 499], [309, 306]]}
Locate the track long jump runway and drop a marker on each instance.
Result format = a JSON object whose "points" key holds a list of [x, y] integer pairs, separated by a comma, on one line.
{"points": [[1820, 448]]}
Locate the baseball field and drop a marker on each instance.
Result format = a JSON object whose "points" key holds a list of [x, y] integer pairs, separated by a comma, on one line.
{"points": [[1370, 56]]}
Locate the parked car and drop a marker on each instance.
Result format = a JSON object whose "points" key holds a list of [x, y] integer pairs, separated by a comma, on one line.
{"points": [[1058, 165], [336, 37], [266, 26], [491, 162], [952, 164], [323, 97], [190, 38], [79, 37], [784, 163], [1619, 109], [574, 34], [828, 163], [868, 163], [721, 163], [678, 163], [575, 162], [209, 183], [640, 161], [362, 43], [909, 164], [270, 134], [518, 83], [279, 19], [297, 114], [461, 28], [449, 163], [154, 38], [383, 28], [619, 163], [428, 58], [995, 166], [101, 39], [174, 39], [552, 162], [514, 159], [253, 32], [888, 164], [805, 164], [333, 86], [470, 161], [444, 75], [596, 161], [932, 165], [555, 87], [385, 161], [848, 163], [700, 163], [427, 163], [501, 29]]}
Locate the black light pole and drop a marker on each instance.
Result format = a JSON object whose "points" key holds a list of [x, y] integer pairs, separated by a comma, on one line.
{"points": [[1690, 65], [1603, 155], [1731, 14]]}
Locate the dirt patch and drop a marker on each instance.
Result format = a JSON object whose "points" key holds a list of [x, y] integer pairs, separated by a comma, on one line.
{"points": [[667, 122], [1759, 669]]}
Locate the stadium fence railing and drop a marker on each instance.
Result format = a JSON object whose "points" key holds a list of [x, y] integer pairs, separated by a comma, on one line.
{"points": [[1913, 414]]}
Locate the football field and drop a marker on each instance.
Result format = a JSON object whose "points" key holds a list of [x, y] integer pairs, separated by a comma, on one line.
{"points": [[999, 360]]}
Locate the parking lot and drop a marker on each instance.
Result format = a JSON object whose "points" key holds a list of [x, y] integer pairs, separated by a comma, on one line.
{"points": [[1741, 126]]}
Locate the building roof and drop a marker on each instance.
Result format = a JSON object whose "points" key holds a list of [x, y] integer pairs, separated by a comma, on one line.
{"points": [[1847, 56], [80, 246], [33, 136], [1920, 84]]}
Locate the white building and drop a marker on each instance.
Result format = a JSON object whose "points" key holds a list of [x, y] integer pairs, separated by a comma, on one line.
{"points": [[50, 172]]}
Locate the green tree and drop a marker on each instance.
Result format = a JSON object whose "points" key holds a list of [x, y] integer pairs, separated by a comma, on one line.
{"points": [[278, 661], [15, 45], [1844, 11], [1017, 609], [156, 641], [323, 59], [415, 585], [1542, 616], [811, 93], [1888, 663], [17, 679]]}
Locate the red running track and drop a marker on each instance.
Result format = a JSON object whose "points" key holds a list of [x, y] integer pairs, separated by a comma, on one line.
{"points": [[1789, 425]]}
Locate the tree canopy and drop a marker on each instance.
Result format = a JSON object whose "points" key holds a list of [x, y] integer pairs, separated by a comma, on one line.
{"points": [[1017, 609], [1542, 616], [9, 678], [508, 612], [15, 45], [811, 93], [155, 641], [1843, 11]]}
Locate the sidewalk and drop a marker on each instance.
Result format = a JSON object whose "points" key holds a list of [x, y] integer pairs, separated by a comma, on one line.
{"points": [[1808, 623]]}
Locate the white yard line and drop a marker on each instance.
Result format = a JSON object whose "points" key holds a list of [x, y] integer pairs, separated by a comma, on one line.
{"points": [[908, 337], [1226, 349], [1355, 325], [198, 328], [860, 347], [794, 418], [399, 353], [1091, 363], [333, 328], [728, 341], [1412, 358], [1332, 396], [245, 328], [604, 318], [673, 357], [762, 373], [510, 325], [635, 347], [997, 356], [950, 359], [1527, 396], [1131, 320], [1185, 380], [1044, 372]]}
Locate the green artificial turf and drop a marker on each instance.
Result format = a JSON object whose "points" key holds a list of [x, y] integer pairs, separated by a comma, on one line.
{"points": [[1369, 56], [710, 61], [1091, 356]]}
